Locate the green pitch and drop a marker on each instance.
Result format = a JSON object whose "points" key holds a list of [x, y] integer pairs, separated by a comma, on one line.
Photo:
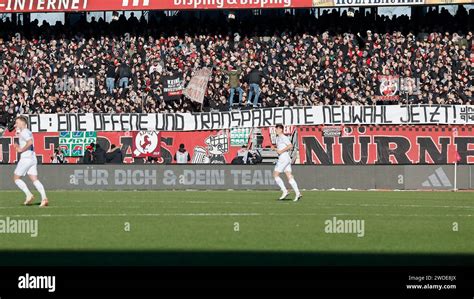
{"points": [[241, 228]]}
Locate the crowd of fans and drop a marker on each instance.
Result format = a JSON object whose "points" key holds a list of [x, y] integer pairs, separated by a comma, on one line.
{"points": [[261, 61], [95, 154]]}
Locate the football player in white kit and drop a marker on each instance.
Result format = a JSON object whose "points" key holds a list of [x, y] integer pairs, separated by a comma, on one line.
{"points": [[284, 145], [27, 163]]}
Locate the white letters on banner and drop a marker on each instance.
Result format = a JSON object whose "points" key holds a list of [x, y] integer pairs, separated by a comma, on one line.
{"points": [[266, 117]]}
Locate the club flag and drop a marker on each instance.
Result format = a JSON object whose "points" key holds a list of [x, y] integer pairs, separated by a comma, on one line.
{"points": [[388, 89], [146, 144], [196, 88]]}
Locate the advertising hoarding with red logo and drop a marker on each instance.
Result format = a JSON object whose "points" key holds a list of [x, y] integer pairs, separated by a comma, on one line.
{"points": [[12, 6], [317, 145], [359, 145], [9, 6], [203, 146], [110, 5]]}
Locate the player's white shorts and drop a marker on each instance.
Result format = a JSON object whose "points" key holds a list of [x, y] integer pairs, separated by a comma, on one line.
{"points": [[27, 166], [283, 164]]}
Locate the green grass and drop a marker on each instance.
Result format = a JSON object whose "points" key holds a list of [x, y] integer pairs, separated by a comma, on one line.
{"points": [[197, 227]]}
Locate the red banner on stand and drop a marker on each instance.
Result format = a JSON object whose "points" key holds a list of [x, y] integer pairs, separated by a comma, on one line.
{"points": [[386, 145], [317, 144]]}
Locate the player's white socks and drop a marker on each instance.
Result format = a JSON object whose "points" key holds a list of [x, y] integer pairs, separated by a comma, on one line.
{"points": [[23, 187], [294, 186], [40, 189], [281, 184]]}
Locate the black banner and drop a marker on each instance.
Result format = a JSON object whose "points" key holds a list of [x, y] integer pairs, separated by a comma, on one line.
{"points": [[172, 87]]}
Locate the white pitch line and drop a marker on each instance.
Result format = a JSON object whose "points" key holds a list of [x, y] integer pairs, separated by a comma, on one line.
{"points": [[139, 215], [53, 207], [328, 205], [182, 202], [364, 215], [103, 204], [232, 214]]}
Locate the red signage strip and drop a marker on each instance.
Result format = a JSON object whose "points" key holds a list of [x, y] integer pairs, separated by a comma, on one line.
{"points": [[203, 146], [352, 145], [7, 6], [326, 145], [13, 6]]}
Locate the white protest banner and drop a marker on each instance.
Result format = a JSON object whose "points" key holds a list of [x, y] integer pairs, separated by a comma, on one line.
{"points": [[197, 86], [265, 117]]}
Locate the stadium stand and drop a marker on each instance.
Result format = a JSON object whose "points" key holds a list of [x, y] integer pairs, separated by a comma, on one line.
{"points": [[333, 59]]}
